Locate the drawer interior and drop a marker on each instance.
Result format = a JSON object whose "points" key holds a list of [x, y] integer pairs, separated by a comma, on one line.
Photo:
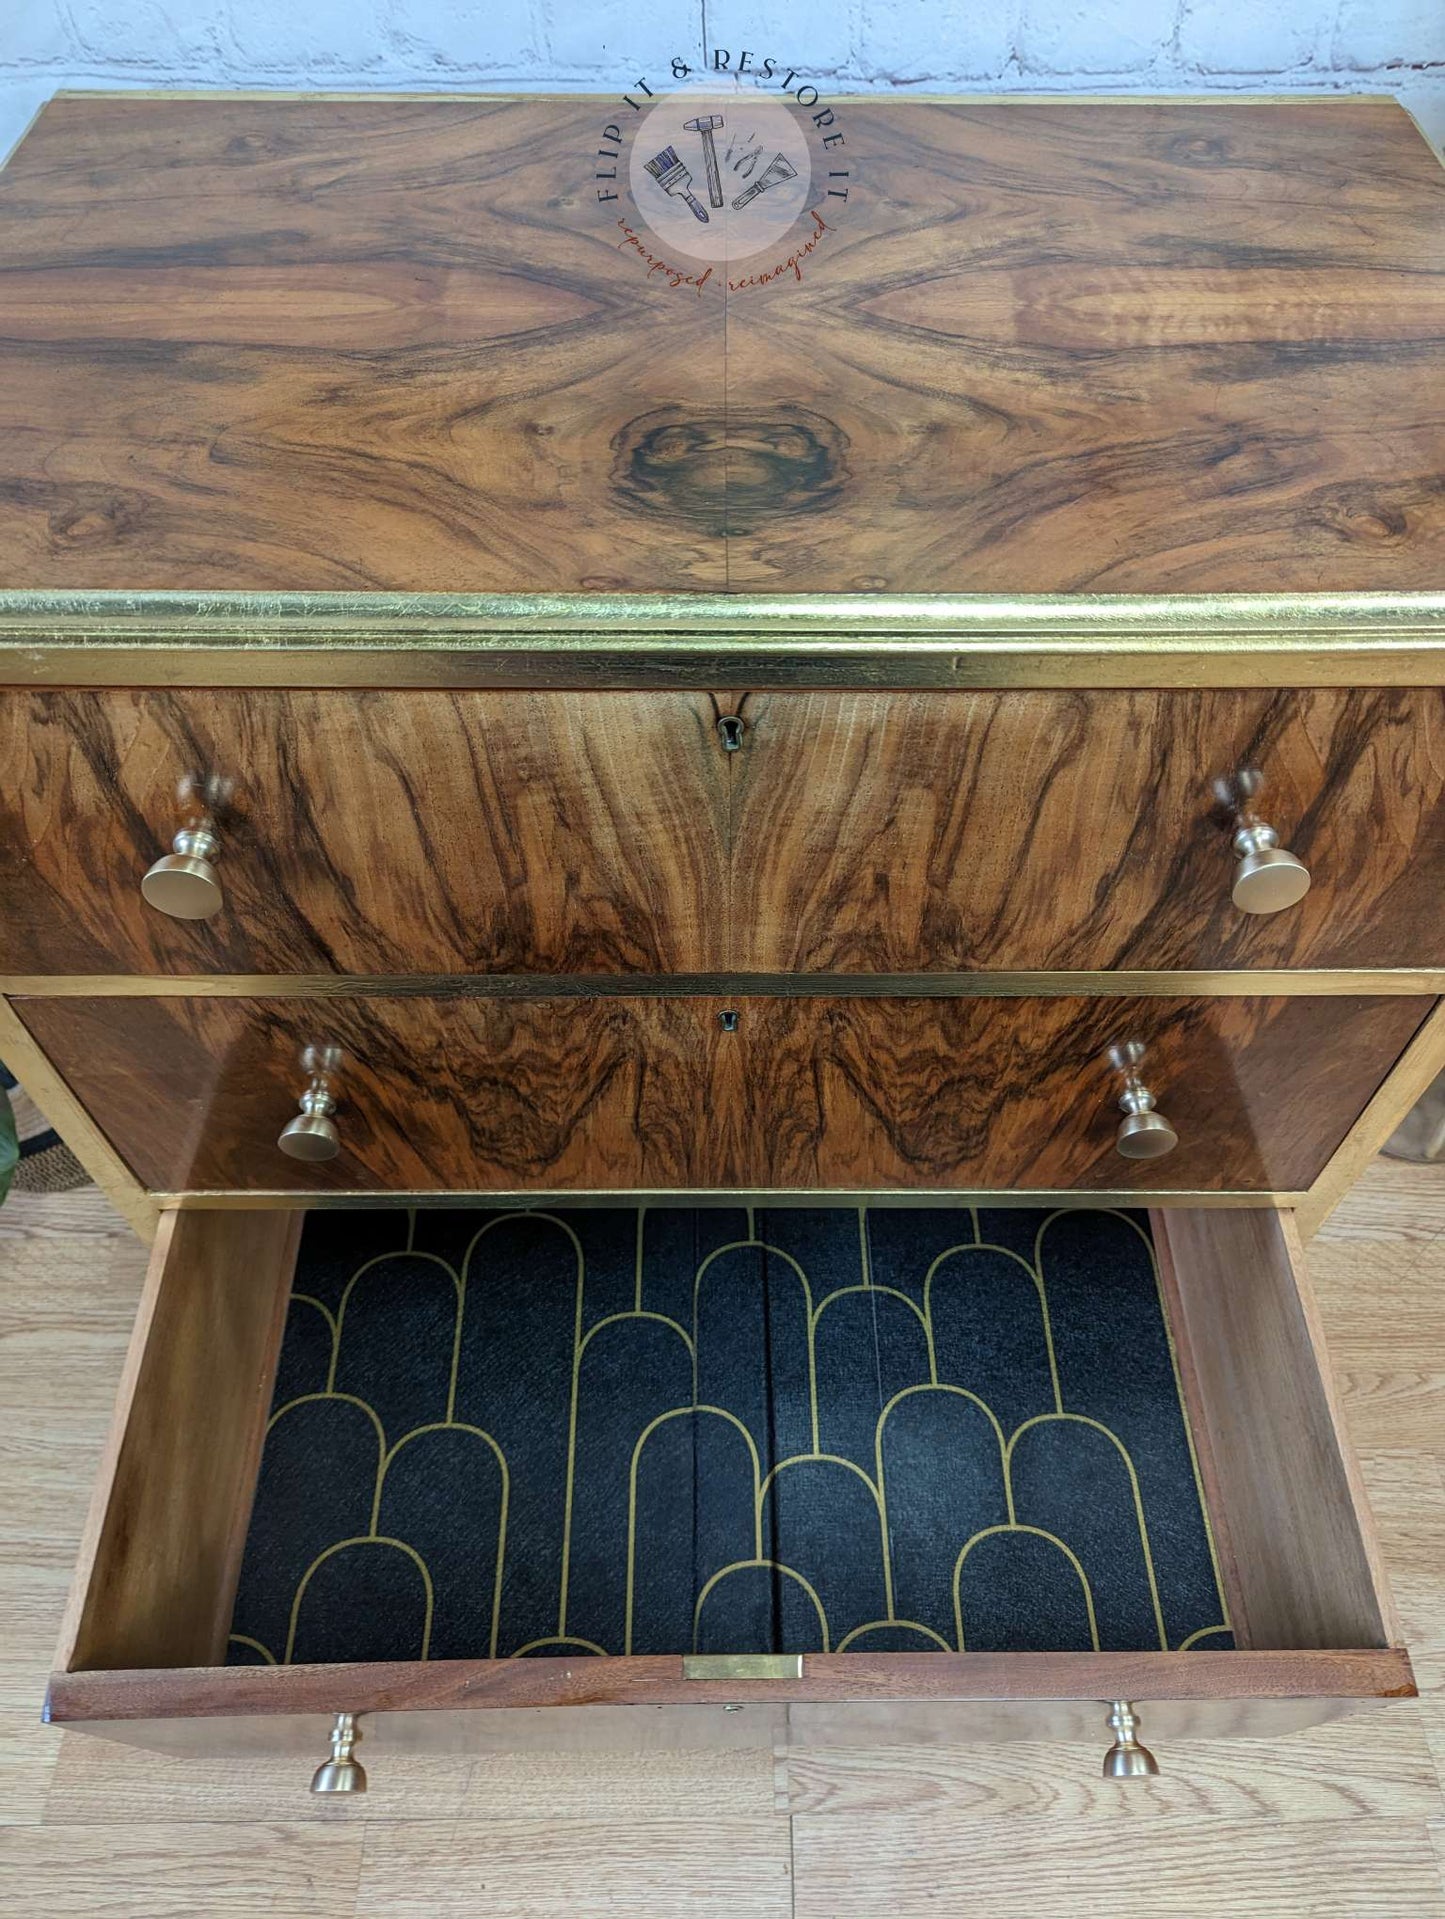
{"points": [[716, 1430], [302, 1475]]}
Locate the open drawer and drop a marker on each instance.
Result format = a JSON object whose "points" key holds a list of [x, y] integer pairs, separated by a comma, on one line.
{"points": [[1295, 1624]]}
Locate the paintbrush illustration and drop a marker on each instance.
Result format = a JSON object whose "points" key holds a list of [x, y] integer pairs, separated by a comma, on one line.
{"points": [[778, 169], [673, 177]]}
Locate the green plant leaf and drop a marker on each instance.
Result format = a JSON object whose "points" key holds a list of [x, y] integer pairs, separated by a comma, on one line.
{"points": [[9, 1144]]}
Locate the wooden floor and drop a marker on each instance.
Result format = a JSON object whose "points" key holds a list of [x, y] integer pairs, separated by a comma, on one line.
{"points": [[1340, 1823]]}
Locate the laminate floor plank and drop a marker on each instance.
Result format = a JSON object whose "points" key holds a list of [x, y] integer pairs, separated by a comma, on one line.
{"points": [[1384, 1311], [70, 1276], [1407, 1495], [179, 1871], [1175, 1866], [29, 1752], [99, 1780], [1430, 1678], [1407, 1273], [552, 1866], [83, 1213], [1398, 1200], [1399, 1406], [1313, 1775], [67, 1306]]}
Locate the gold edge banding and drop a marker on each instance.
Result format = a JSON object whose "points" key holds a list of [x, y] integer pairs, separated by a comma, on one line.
{"points": [[963, 98], [1136, 1198], [1299, 983], [1290, 620]]}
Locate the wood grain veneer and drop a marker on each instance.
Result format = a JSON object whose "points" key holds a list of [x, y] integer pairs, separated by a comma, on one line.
{"points": [[609, 833], [369, 832], [909, 1093], [617, 1093], [1137, 346], [1304, 1565], [910, 832], [162, 1549]]}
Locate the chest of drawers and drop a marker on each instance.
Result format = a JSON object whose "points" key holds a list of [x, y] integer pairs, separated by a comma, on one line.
{"points": [[962, 727]]}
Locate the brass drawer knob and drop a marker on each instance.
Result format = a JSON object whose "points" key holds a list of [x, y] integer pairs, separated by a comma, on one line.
{"points": [[183, 883], [1143, 1133], [312, 1135], [1126, 1758], [1268, 877], [343, 1771]]}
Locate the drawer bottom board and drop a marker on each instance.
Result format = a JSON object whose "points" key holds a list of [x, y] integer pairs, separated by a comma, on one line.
{"points": [[645, 1431]]}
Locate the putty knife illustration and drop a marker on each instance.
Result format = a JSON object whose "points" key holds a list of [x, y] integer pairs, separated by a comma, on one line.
{"points": [[778, 169]]}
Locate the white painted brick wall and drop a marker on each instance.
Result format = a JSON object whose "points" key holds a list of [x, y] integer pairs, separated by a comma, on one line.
{"points": [[911, 43], [1368, 36], [1000, 45], [1221, 36], [1095, 36]]}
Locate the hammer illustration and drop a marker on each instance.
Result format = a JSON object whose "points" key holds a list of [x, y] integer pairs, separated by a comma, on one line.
{"points": [[707, 124]]}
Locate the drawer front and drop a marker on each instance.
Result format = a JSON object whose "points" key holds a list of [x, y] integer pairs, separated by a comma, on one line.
{"points": [[610, 833], [368, 832], [487, 1094], [902, 832], [147, 1627], [598, 1094]]}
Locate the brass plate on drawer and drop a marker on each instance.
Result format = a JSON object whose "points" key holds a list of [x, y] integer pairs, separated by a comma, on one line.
{"points": [[742, 1665]]}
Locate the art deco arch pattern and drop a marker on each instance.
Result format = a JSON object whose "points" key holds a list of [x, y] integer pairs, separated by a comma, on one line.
{"points": [[661, 1430]]}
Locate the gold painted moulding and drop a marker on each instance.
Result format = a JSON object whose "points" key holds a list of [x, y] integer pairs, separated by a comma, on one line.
{"points": [[1234, 983], [720, 640]]}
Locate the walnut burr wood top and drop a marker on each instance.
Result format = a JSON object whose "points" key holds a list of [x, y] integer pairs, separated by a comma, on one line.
{"points": [[328, 345]]}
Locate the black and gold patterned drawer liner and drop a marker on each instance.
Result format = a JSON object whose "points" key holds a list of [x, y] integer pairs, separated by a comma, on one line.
{"points": [[664, 1430]]}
